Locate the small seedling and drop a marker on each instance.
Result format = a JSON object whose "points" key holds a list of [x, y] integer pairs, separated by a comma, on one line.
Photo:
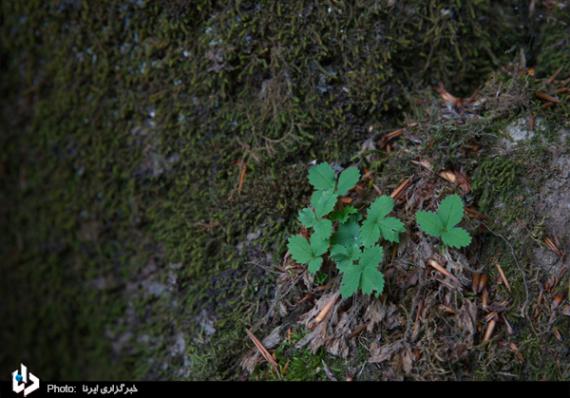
{"points": [[352, 244], [442, 223], [353, 247]]}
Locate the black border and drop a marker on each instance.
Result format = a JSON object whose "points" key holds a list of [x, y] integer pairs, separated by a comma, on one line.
{"points": [[180, 388]]}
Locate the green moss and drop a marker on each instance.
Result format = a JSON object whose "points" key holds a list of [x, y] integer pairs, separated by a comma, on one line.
{"points": [[124, 125], [554, 52], [495, 177]]}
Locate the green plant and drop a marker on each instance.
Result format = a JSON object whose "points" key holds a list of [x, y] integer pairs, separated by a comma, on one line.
{"points": [[353, 245], [442, 223]]}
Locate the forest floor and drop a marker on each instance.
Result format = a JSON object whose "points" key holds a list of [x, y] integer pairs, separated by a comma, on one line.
{"points": [[154, 159]]}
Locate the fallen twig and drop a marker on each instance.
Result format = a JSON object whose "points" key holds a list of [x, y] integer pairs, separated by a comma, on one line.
{"points": [[546, 97], [326, 309], [262, 350], [502, 275], [401, 188]]}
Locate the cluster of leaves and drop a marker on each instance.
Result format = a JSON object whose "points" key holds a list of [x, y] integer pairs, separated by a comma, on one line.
{"points": [[353, 247], [353, 244]]}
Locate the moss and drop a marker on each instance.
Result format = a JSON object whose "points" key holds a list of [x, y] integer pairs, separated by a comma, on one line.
{"points": [[299, 364], [125, 124], [495, 177], [554, 52]]}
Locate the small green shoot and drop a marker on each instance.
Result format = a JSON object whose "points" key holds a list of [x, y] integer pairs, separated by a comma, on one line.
{"points": [[353, 247], [442, 223]]}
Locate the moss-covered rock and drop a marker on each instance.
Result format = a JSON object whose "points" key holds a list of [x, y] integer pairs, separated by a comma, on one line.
{"points": [[143, 143]]}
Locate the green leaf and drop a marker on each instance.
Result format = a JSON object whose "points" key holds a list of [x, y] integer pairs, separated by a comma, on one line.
{"points": [[315, 265], [372, 279], [430, 223], [319, 246], [307, 217], [350, 280], [378, 225], [347, 234], [347, 180], [323, 202], [345, 256], [339, 252], [381, 207], [450, 211], [370, 232], [300, 249], [390, 228], [371, 256], [323, 229], [365, 275], [456, 237], [342, 215], [441, 224], [322, 177]]}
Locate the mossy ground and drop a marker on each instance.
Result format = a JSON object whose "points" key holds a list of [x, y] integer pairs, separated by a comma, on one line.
{"points": [[126, 127]]}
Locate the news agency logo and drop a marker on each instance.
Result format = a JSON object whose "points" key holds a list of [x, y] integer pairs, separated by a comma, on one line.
{"points": [[20, 379]]}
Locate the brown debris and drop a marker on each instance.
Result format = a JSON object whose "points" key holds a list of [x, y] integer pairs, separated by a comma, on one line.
{"points": [[449, 98], [550, 283], [532, 122], [359, 329], [546, 97], [558, 298], [328, 372], [518, 355], [327, 308], [510, 331], [492, 321], [474, 214], [424, 163], [553, 247], [467, 321], [482, 282], [557, 334], [485, 299], [502, 275], [457, 178], [475, 282], [407, 359], [242, 164], [389, 137], [551, 79], [455, 283], [435, 265], [396, 193], [262, 350], [381, 353], [374, 314], [447, 309]]}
